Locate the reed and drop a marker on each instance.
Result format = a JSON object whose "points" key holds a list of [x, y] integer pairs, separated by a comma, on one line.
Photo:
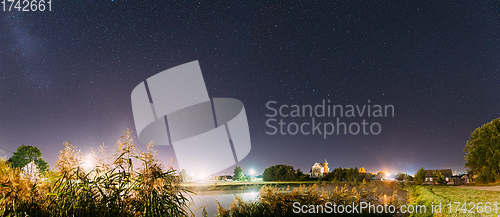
{"points": [[134, 183], [274, 201]]}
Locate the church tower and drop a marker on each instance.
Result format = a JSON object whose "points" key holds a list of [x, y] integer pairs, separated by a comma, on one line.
{"points": [[325, 167]]}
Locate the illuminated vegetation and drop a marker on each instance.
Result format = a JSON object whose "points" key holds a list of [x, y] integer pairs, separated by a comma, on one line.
{"points": [[274, 201], [133, 183]]}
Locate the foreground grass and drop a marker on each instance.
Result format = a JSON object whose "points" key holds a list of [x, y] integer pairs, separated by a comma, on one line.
{"points": [[455, 201], [114, 187], [277, 201]]}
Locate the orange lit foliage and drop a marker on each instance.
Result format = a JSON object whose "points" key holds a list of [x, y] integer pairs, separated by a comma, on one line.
{"points": [[110, 188]]}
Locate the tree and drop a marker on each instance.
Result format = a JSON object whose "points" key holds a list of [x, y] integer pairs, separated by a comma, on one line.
{"points": [[330, 176], [420, 176], [300, 173], [247, 178], [238, 174], [482, 152], [438, 178], [339, 174], [301, 176], [185, 176], [27, 153], [352, 174], [280, 173], [485, 176]]}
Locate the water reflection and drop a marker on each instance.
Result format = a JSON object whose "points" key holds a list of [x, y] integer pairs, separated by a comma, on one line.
{"points": [[224, 198]]}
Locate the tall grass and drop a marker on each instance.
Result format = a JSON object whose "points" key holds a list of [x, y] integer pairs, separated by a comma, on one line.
{"points": [[275, 201], [134, 183]]}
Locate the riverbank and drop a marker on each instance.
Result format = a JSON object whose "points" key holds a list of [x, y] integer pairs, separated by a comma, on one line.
{"points": [[258, 195], [244, 187], [239, 186]]}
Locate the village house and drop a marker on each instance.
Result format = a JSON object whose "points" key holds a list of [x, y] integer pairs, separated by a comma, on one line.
{"points": [[429, 175], [319, 170], [463, 179]]}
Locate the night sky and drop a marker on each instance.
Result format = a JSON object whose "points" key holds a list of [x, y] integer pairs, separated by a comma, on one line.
{"points": [[67, 74]]}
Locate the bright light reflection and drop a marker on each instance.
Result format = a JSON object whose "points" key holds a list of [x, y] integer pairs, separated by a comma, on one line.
{"points": [[88, 162]]}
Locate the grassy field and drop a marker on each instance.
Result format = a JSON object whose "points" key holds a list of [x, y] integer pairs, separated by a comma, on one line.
{"points": [[457, 201]]}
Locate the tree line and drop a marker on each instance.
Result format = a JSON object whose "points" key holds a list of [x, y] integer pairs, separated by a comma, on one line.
{"points": [[287, 173]]}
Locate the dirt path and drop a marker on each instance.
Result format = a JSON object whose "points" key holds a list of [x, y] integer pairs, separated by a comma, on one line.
{"points": [[485, 188]]}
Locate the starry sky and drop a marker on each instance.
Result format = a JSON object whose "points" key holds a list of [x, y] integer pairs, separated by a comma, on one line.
{"points": [[67, 74]]}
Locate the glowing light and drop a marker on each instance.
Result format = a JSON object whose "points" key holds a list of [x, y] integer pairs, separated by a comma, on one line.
{"points": [[88, 162], [252, 172]]}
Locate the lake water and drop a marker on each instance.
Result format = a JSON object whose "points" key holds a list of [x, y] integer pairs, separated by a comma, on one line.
{"points": [[224, 198]]}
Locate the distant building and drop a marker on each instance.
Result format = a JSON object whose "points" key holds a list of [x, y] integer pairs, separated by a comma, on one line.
{"points": [[319, 170], [221, 178], [362, 170], [30, 171], [227, 178], [463, 179], [429, 175], [378, 177]]}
